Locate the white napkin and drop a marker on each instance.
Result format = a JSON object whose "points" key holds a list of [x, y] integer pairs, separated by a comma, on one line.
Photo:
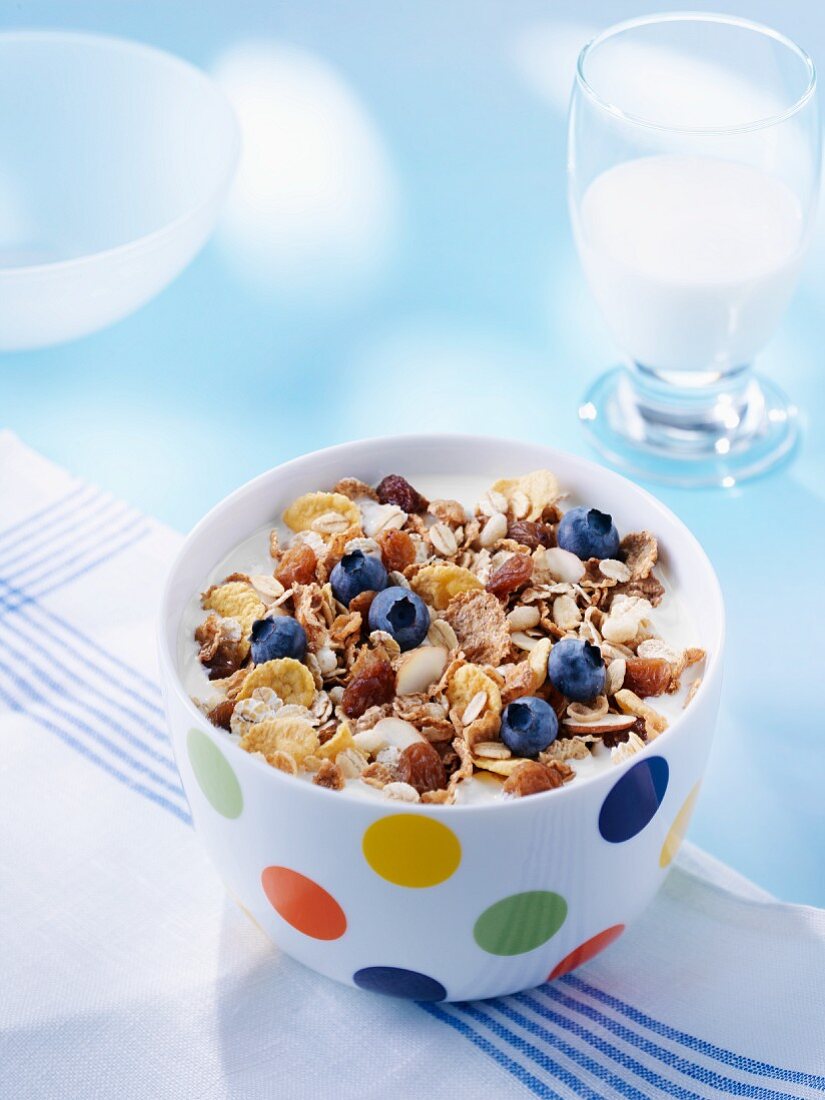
{"points": [[126, 972]]}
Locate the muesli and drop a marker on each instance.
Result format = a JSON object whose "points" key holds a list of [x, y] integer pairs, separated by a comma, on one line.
{"points": [[412, 649]]}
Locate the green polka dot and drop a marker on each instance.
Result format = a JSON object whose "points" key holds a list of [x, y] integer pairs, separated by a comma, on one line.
{"points": [[214, 775], [520, 923]]}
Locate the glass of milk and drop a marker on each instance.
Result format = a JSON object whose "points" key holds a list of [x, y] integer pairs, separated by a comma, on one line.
{"points": [[694, 154]]}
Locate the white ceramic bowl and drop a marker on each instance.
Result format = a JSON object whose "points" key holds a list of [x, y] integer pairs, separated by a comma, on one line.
{"points": [[115, 159], [441, 902]]}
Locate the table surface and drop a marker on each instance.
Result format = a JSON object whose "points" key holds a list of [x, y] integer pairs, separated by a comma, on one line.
{"points": [[399, 259]]}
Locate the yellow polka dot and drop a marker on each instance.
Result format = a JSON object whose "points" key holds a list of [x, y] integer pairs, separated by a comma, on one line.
{"points": [[674, 838], [410, 850]]}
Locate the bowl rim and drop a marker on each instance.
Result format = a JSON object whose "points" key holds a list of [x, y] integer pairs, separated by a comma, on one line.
{"points": [[167, 229], [172, 681]]}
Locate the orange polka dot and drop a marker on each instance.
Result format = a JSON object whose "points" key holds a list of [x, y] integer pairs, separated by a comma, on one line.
{"points": [[586, 951], [303, 903]]}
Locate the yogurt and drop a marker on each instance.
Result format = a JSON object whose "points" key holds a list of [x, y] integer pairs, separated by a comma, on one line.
{"points": [[671, 620]]}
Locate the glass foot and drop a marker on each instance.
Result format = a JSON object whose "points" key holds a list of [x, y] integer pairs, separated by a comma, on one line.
{"points": [[719, 443]]}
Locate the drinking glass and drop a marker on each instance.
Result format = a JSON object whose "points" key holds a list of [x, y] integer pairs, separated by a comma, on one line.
{"points": [[693, 161]]}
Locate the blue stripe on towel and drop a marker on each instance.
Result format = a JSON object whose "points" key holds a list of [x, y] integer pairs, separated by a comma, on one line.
{"points": [[697, 1073], [55, 507], [70, 740], [529, 1080], [31, 586], [7, 606], [27, 605], [476, 1011], [700, 1046], [51, 692], [53, 659], [54, 531], [33, 697]]}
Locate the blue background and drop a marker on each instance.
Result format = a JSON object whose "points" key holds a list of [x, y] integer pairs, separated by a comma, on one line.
{"points": [[399, 259]]}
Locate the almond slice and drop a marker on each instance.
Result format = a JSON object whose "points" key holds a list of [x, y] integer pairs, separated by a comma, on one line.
{"points": [[420, 668], [492, 750], [610, 723], [389, 732], [474, 708], [583, 714]]}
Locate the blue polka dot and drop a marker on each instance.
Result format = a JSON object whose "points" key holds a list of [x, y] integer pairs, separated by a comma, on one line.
{"points": [[395, 982], [634, 800]]}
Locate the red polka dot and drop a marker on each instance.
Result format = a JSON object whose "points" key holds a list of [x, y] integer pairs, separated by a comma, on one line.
{"points": [[586, 951], [303, 903]]}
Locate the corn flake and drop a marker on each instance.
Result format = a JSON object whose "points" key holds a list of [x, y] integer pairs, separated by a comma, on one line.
{"points": [[293, 736], [340, 741], [540, 487], [485, 728], [469, 680], [235, 600], [303, 512], [438, 584], [499, 767], [291, 681]]}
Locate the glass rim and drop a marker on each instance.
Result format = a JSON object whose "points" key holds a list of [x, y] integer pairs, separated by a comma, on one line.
{"points": [[695, 17]]}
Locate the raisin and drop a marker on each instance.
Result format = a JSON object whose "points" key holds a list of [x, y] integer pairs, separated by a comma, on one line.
{"points": [[361, 603], [514, 573], [612, 738], [421, 767], [372, 683], [397, 549], [531, 534], [395, 489], [531, 777], [297, 566], [647, 675], [228, 658], [221, 655], [221, 714]]}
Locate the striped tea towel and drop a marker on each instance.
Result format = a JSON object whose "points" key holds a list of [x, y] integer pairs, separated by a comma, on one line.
{"points": [[126, 972]]}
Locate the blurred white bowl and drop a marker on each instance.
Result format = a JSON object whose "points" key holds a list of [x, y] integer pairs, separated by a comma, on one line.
{"points": [[115, 159]]}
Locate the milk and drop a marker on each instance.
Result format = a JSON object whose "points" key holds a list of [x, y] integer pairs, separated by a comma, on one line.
{"points": [[691, 259]]}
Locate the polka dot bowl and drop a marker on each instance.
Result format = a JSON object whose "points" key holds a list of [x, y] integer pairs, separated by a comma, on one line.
{"points": [[442, 902]]}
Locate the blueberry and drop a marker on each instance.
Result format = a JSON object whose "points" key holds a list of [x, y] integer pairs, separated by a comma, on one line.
{"points": [[576, 669], [528, 726], [402, 614], [278, 637], [588, 533], [356, 573]]}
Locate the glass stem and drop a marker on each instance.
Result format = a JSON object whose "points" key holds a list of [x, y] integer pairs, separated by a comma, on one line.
{"points": [[688, 409]]}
